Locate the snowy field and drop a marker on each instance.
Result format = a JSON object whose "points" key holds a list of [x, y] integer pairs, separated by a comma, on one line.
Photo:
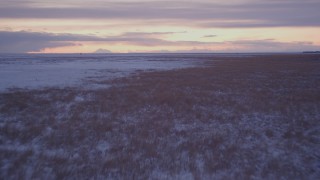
{"points": [[69, 70], [199, 116]]}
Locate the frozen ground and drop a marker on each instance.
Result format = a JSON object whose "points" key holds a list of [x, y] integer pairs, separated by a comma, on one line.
{"points": [[252, 117], [70, 70]]}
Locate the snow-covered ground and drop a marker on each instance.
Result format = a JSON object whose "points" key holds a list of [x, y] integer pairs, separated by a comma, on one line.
{"points": [[67, 70]]}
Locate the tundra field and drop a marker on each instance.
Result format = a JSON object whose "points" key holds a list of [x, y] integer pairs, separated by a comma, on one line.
{"points": [[229, 117]]}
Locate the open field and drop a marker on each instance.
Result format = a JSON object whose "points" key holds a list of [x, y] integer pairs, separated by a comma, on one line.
{"points": [[35, 71], [235, 118]]}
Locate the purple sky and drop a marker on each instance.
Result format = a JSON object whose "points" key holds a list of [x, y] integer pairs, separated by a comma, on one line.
{"points": [[151, 26]]}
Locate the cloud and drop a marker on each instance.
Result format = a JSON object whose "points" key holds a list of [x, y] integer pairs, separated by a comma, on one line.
{"points": [[269, 45], [24, 41], [209, 36], [255, 13], [149, 34], [23, 47], [20, 42]]}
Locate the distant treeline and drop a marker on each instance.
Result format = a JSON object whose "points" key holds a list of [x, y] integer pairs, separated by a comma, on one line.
{"points": [[313, 52]]}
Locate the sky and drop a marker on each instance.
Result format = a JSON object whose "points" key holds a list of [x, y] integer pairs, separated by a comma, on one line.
{"points": [[125, 26]]}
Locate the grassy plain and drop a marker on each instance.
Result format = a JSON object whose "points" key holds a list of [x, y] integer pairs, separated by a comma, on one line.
{"points": [[234, 118]]}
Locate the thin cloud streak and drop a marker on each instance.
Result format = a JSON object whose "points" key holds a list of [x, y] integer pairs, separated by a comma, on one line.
{"points": [[209, 36]]}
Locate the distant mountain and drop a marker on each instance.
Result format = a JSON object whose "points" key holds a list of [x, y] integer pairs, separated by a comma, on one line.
{"points": [[102, 51]]}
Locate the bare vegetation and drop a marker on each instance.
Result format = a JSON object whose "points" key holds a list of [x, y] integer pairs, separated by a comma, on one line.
{"points": [[238, 118]]}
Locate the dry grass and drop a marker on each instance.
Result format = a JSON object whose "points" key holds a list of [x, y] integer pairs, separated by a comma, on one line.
{"points": [[239, 118]]}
